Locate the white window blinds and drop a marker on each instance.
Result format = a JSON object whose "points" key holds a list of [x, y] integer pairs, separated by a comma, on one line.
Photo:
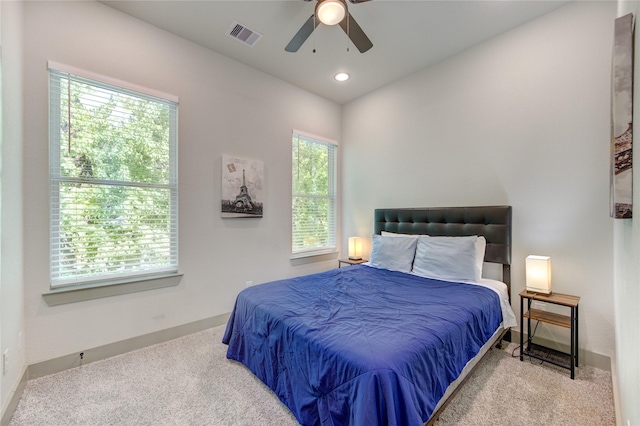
{"points": [[313, 195], [113, 181]]}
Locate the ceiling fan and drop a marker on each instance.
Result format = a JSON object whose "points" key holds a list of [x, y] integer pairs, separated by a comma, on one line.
{"points": [[332, 12]]}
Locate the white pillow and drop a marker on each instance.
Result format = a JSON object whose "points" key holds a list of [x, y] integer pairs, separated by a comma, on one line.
{"points": [[393, 253], [481, 245], [447, 258]]}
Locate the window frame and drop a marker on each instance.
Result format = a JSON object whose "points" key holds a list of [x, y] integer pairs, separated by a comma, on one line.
{"points": [[137, 280], [332, 196]]}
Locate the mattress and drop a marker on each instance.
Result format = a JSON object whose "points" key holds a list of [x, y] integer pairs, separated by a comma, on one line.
{"points": [[361, 345]]}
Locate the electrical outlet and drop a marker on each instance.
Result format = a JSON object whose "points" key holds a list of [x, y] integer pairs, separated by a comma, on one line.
{"points": [[5, 361]]}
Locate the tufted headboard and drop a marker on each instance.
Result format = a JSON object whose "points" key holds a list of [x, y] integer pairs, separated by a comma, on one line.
{"points": [[492, 222]]}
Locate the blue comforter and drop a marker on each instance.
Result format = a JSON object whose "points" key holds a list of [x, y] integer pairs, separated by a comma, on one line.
{"points": [[359, 345]]}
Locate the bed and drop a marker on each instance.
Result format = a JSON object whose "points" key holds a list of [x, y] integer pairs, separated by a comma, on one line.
{"points": [[379, 344]]}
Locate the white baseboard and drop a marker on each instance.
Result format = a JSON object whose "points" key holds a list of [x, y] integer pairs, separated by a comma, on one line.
{"points": [[15, 398], [65, 362], [616, 395]]}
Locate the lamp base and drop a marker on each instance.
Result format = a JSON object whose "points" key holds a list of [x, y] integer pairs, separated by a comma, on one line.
{"points": [[539, 290], [355, 258]]}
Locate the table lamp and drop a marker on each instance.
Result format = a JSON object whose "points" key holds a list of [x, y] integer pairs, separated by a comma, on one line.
{"points": [[355, 248], [538, 274]]}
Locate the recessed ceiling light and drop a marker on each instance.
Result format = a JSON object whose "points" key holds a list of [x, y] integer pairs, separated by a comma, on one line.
{"points": [[341, 76]]}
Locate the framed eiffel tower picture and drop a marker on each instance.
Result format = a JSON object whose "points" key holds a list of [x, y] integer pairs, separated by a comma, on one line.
{"points": [[242, 187], [622, 120]]}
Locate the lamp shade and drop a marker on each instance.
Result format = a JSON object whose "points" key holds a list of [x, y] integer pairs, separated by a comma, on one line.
{"points": [[355, 248], [538, 271], [331, 12]]}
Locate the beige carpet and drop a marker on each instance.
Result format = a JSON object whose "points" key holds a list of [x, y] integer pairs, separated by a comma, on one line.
{"points": [[189, 381], [506, 391]]}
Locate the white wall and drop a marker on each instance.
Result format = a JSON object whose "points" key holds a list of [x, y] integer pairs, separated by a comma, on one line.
{"points": [[225, 107], [522, 119], [11, 264], [627, 275]]}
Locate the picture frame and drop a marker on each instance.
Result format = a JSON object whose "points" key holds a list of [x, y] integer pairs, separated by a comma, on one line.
{"points": [[242, 194], [622, 120]]}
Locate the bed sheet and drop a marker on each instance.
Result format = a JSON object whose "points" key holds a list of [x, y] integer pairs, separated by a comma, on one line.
{"points": [[359, 345]]}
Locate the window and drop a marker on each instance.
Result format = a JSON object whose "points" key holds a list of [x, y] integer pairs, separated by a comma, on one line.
{"points": [[113, 180], [314, 195]]}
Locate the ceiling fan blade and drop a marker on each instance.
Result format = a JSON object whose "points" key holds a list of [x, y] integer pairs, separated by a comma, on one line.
{"points": [[355, 33], [359, 1], [302, 35]]}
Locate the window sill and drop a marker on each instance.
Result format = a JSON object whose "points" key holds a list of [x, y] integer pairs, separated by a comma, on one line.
{"points": [[312, 253], [313, 257], [79, 294]]}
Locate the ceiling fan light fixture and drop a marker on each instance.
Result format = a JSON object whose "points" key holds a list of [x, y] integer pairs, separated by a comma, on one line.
{"points": [[331, 12], [342, 76]]}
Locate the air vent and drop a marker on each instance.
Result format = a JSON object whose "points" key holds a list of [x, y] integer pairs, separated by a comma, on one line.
{"points": [[244, 34]]}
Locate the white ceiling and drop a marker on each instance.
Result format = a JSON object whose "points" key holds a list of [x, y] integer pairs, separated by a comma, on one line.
{"points": [[407, 36]]}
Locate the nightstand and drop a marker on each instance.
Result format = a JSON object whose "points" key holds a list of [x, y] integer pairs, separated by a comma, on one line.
{"points": [[570, 322], [350, 262]]}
